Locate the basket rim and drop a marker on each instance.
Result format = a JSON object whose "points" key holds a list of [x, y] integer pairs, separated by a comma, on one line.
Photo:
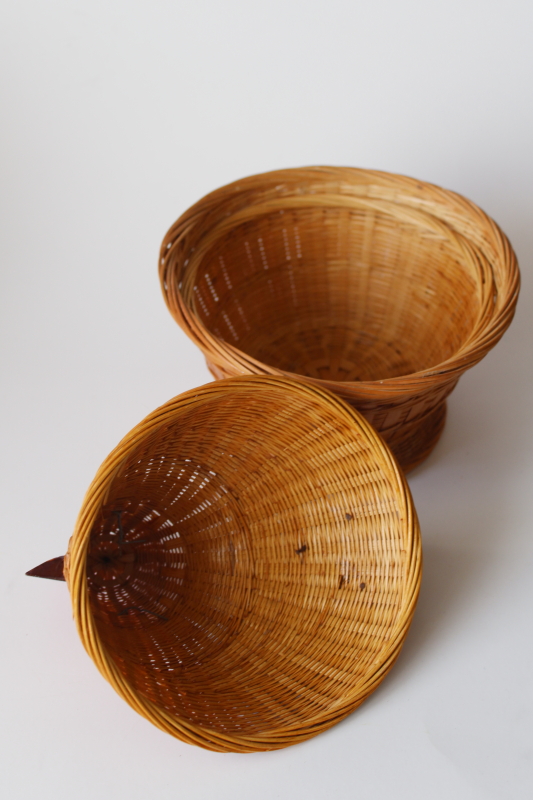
{"points": [[485, 333], [75, 566]]}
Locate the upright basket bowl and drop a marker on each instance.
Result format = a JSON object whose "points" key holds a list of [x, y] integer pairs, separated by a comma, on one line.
{"points": [[382, 288], [246, 564]]}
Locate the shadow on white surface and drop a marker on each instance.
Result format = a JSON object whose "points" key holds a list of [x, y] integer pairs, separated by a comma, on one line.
{"points": [[466, 493]]}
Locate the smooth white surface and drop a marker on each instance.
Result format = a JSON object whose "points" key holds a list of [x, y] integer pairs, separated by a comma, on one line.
{"points": [[116, 117]]}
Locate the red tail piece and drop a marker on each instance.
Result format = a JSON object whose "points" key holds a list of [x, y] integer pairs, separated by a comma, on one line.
{"points": [[52, 569]]}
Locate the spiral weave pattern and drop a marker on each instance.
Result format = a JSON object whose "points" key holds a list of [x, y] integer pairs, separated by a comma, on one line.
{"points": [[246, 563]]}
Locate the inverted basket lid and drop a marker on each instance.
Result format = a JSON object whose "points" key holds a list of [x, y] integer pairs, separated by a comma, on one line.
{"points": [[246, 563]]}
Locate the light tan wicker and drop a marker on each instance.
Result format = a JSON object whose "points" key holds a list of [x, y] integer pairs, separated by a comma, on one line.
{"points": [[246, 564], [379, 287]]}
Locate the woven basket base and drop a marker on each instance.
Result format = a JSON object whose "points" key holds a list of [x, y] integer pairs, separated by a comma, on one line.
{"points": [[412, 444], [378, 287]]}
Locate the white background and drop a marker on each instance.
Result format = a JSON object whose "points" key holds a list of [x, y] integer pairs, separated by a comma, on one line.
{"points": [[118, 115]]}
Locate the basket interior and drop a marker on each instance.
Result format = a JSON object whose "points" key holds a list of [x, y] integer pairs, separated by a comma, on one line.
{"points": [[338, 294], [247, 568]]}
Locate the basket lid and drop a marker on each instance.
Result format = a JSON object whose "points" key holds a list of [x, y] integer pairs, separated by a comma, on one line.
{"points": [[246, 563]]}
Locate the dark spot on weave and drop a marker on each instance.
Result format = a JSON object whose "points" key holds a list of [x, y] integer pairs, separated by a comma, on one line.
{"points": [[302, 549], [349, 516], [341, 581], [362, 585]]}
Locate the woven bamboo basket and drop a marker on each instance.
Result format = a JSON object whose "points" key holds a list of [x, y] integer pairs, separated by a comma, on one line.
{"points": [[245, 565], [382, 288]]}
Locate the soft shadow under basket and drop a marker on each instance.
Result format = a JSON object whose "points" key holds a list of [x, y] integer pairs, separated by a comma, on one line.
{"points": [[246, 563]]}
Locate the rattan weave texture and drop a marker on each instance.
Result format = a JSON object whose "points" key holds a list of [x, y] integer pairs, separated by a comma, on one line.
{"points": [[246, 564], [382, 288]]}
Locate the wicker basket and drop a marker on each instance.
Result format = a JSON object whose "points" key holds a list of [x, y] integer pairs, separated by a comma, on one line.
{"points": [[379, 287], [246, 564]]}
